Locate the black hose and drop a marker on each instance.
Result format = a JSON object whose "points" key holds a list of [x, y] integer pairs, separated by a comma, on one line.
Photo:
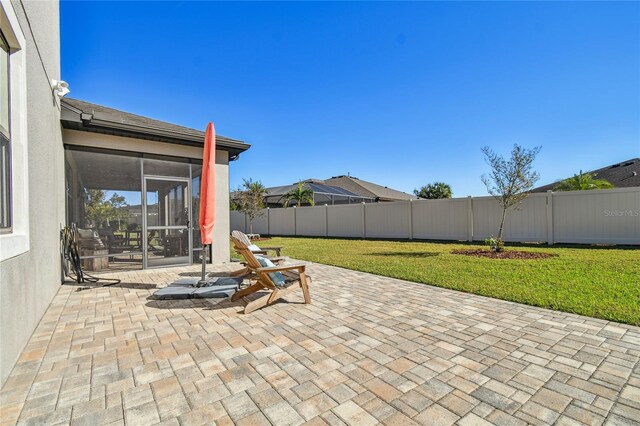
{"points": [[71, 256]]}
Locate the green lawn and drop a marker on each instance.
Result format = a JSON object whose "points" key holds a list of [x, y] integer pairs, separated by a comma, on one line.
{"points": [[600, 282]]}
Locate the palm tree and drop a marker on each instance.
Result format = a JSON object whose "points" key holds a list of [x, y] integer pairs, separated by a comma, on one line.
{"points": [[300, 194], [582, 182]]}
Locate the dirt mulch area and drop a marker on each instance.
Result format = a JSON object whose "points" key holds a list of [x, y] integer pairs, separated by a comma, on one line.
{"points": [[507, 254]]}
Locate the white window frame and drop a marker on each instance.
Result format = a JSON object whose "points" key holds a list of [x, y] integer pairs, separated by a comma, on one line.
{"points": [[16, 241]]}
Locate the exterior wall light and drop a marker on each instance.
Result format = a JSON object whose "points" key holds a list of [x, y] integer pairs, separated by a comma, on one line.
{"points": [[60, 88]]}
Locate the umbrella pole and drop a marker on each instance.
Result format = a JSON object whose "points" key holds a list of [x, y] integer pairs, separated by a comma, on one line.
{"points": [[203, 280]]}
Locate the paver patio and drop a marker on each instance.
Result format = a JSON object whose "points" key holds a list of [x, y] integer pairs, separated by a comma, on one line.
{"points": [[368, 350]]}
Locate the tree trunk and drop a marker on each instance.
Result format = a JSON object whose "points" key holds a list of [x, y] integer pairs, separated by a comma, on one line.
{"points": [[504, 214], [251, 226]]}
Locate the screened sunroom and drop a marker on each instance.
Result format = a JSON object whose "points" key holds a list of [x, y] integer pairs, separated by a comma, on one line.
{"points": [[134, 196]]}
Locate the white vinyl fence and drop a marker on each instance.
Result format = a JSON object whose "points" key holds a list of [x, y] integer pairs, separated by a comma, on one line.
{"points": [[609, 216]]}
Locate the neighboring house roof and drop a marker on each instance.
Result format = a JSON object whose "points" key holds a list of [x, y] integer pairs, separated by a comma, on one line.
{"points": [[85, 116], [621, 175], [317, 188], [368, 189], [275, 193]]}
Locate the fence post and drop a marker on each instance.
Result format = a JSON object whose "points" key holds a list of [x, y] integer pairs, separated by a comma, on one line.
{"points": [[549, 217], [364, 222], [268, 222], [469, 218], [295, 221], [326, 220], [410, 219]]}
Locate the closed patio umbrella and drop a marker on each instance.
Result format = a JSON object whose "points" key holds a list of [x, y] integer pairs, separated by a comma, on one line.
{"points": [[188, 288], [207, 195]]}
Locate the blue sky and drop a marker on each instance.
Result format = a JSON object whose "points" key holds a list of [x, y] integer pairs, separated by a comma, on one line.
{"points": [[401, 94]]}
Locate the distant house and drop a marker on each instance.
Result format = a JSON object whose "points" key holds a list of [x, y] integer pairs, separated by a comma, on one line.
{"points": [[322, 194], [621, 175], [367, 189], [337, 190]]}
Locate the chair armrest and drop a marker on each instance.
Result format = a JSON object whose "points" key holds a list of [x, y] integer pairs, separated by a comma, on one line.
{"points": [[299, 266], [273, 259]]}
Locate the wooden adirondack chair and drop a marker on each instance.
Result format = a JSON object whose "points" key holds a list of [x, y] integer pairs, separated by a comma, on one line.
{"points": [[294, 277], [241, 242]]}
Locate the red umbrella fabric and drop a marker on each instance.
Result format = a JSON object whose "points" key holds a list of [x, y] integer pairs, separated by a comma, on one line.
{"points": [[207, 197], [208, 186]]}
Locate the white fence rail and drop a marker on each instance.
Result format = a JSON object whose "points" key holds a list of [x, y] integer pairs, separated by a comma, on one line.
{"points": [[592, 217]]}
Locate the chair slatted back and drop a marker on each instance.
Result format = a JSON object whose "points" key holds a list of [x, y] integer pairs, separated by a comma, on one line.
{"points": [[240, 241], [241, 236], [243, 250]]}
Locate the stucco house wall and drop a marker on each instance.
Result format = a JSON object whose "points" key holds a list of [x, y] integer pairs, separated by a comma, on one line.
{"points": [[221, 229], [28, 281]]}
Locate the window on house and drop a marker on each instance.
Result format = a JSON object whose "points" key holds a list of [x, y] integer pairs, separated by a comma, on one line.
{"points": [[5, 138], [14, 190]]}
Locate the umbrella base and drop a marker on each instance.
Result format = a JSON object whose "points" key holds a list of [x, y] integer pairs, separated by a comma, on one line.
{"points": [[189, 288]]}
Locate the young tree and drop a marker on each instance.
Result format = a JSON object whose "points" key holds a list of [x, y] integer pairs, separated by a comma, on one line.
{"points": [[510, 180], [300, 194], [433, 191], [97, 209], [118, 204], [250, 200], [233, 204], [582, 182], [101, 211]]}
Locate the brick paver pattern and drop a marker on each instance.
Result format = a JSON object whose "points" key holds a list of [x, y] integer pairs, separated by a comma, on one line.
{"points": [[368, 350]]}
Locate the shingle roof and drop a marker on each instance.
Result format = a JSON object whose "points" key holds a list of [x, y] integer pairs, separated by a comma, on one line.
{"points": [[368, 189], [82, 115], [318, 188], [275, 193], [621, 175]]}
